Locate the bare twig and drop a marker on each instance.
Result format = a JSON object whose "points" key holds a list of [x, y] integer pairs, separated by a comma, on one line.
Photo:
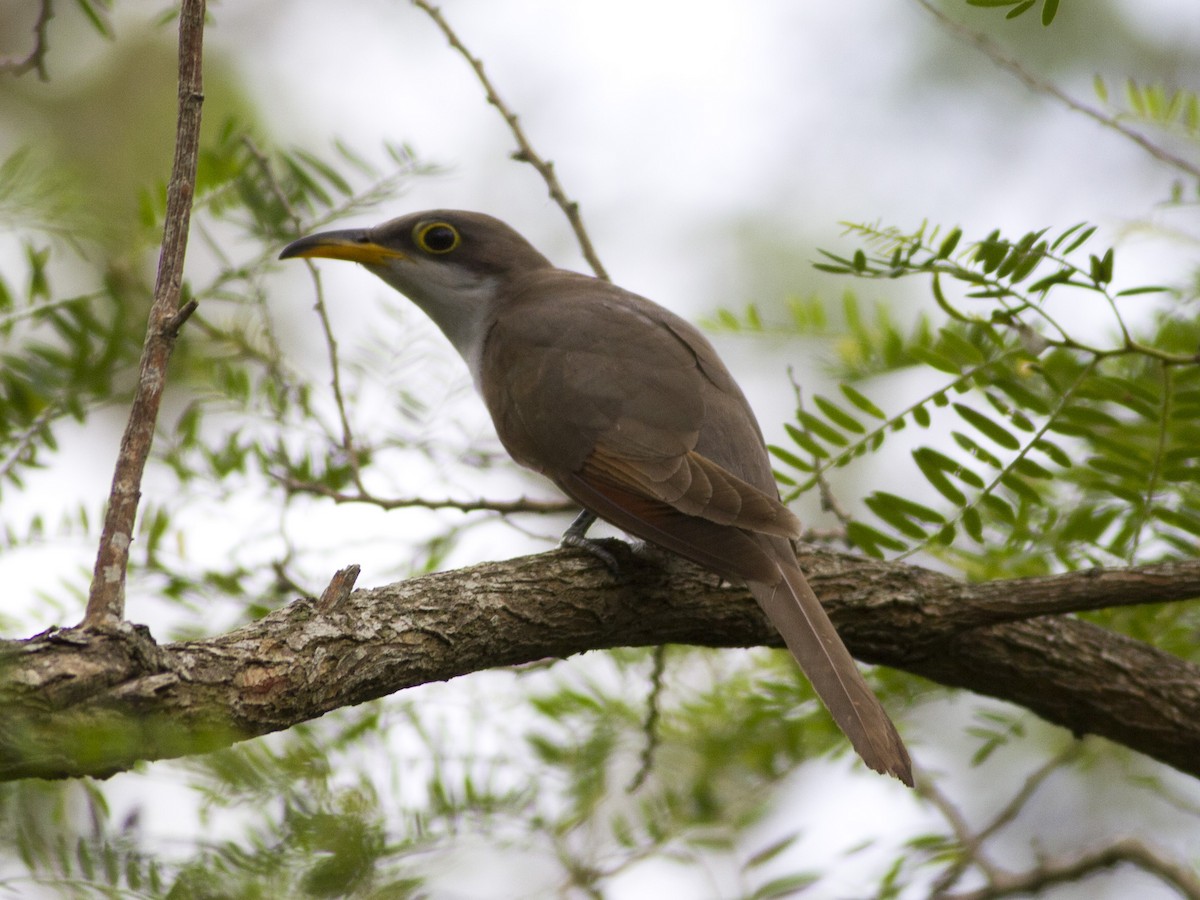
{"points": [[972, 841], [1030, 786], [22, 442], [505, 507], [36, 58], [106, 601], [1039, 86], [335, 376], [264, 163], [1047, 873], [525, 151], [653, 714], [339, 398], [1130, 852], [971, 850]]}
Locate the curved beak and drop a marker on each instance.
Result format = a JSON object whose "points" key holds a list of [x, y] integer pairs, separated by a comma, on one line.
{"points": [[354, 244]]}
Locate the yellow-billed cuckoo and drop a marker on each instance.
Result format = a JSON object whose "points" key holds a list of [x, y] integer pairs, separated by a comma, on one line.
{"points": [[628, 409]]}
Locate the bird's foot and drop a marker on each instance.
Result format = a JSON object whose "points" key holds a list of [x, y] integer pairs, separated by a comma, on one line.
{"points": [[576, 536]]}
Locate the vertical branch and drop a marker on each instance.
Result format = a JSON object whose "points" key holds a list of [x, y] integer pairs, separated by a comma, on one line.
{"points": [[106, 600]]}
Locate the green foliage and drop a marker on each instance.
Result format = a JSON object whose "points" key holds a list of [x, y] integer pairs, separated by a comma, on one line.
{"points": [[1176, 109], [1053, 449], [1019, 7]]}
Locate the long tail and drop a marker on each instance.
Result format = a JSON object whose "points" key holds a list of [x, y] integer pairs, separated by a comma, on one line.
{"points": [[794, 609]]}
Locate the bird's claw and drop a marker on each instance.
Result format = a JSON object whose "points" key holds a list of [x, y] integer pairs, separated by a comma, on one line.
{"points": [[576, 536]]}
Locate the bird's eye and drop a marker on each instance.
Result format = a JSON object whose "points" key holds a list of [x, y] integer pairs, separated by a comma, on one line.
{"points": [[436, 237]]}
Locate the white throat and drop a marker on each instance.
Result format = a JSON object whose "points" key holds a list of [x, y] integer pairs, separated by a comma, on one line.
{"points": [[461, 304]]}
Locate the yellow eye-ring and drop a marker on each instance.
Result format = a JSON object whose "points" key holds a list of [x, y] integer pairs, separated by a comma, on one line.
{"points": [[436, 237]]}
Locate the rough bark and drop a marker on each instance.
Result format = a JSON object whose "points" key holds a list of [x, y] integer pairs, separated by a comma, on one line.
{"points": [[79, 702], [106, 599]]}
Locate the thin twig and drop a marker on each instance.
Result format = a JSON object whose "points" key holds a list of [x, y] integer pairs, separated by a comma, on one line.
{"points": [[264, 163], [1029, 787], [525, 151], [653, 714], [106, 600], [972, 842], [506, 507], [339, 398], [335, 378], [997, 55], [972, 853], [1131, 852], [24, 440], [36, 59]]}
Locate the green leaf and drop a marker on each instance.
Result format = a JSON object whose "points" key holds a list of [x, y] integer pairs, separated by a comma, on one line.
{"points": [[900, 513], [1179, 518], [1049, 11], [819, 428], [999, 508], [1055, 452], [789, 458], [973, 523], [933, 466], [1062, 276], [1086, 524], [990, 252], [987, 427], [948, 245], [862, 402], [973, 447], [872, 541], [1079, 241], [768, 853], [958, 347], [805, 441], [1148, 289], [95, 15], [838, 416], [786, 886], [1101, 267], [1021, 488], [1030, 469], [936, 360]]}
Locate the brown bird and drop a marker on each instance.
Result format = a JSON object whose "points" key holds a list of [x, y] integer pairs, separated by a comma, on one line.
{"points": [[629, 410]]}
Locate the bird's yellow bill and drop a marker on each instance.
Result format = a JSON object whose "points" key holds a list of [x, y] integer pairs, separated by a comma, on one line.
{"points": [[354, 246]]}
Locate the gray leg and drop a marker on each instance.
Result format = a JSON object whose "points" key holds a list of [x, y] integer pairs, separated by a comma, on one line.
{"points": [[576, 536]]}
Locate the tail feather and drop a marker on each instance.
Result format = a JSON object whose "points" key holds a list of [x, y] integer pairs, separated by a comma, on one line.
{"points": [[794, 609]]}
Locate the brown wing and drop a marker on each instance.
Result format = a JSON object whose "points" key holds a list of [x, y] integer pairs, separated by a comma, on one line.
{"points": [[586, 380]]}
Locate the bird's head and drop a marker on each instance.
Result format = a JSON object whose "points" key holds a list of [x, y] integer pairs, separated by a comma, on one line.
{"points": [[455, 265]]}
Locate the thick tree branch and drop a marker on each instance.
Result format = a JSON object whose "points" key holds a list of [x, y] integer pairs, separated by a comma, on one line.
{"points": [[106, 600], [83, 703]]}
